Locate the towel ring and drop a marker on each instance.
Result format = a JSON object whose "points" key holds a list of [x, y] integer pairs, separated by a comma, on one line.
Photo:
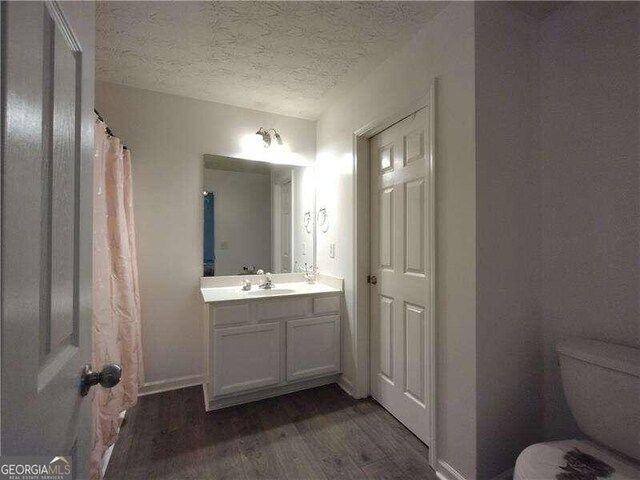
{"points": [[322, 218], [307, 222]]}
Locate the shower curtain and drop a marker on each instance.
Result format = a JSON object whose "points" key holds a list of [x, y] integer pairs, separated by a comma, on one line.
{"points": [[116, 297]]}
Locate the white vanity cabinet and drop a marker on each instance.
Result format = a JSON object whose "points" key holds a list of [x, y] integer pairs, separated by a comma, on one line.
{"points": [[262, 347], [235, 371], [313, 347]]}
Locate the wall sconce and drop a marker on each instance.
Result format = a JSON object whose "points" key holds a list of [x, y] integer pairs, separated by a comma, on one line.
{"points": [[267, 136]]}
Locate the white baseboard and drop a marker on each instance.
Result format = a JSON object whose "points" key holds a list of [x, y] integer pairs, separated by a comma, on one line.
{"points": [[506, 475], [170, 384], [447, 472], [345, 384]]}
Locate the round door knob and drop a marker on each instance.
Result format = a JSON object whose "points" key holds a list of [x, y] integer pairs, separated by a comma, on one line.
{"points": [[109, 377]]}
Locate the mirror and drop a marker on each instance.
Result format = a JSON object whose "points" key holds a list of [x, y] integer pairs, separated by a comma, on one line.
{"points": [[256, 216]]}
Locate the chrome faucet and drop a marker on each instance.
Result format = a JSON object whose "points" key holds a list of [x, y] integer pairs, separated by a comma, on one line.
{"points": [[268, 282]]}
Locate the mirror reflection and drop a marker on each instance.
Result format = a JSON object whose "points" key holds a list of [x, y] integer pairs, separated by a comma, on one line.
{"points": [[257, 216]]}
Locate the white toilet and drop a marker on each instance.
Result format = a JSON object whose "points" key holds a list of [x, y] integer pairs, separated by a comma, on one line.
{"points": [[602, 385]]}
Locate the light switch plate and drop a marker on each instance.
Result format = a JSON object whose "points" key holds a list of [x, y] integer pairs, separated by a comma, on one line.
{"points": [[304, 248], [332, 250]]}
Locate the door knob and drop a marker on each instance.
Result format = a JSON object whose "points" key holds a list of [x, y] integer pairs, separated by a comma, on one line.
{"points": [[109, 377], [372, 279]]}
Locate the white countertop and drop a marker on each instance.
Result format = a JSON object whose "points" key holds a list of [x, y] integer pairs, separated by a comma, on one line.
{"points": [[291, 289]]}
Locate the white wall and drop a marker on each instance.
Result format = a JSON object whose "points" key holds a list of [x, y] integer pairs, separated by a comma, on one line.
{"points": [[558, 224], [443, 48], [508, 329], [590, 156], [242, 219], [168, 135]]}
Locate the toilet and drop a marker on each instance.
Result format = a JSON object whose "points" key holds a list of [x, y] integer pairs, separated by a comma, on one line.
{"points": [[602, 386]]}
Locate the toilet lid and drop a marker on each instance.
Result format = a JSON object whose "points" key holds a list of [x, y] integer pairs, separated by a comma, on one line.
{"points": [[542, 461]]}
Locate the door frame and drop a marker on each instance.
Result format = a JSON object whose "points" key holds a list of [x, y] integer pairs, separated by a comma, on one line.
{"points": [[361, 253]]}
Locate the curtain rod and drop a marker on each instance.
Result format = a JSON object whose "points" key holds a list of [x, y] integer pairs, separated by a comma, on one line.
{"points": [[109, 132]]}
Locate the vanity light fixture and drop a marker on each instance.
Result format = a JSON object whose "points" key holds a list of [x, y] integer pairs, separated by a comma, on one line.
{"points": [[267, 136]]}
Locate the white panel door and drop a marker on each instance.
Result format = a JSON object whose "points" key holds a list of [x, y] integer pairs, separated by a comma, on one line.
{"points": [[47, 156], [313, 347], [245, 358], [399, 261]]}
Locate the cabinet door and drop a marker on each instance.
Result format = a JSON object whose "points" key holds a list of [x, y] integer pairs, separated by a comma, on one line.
{"points": [[245, 358], [313, 347]]}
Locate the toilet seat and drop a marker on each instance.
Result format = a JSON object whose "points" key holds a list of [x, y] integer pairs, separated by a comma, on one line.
{"points": [[542, 461]]}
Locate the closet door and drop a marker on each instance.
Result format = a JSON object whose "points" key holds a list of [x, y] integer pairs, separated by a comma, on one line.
{"points": [[400, 269]]}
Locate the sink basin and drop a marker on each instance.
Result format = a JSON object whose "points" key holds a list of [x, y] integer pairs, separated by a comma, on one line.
{"points": [[270, 292]]}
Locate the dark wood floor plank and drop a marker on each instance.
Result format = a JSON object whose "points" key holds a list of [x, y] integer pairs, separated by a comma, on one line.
{"points": [[119, 456], [180, 441], [181, 438], [319, 434], [333, 403], [194, 406], [294, 455], [385, 469], [393, 438], [222, 454], [259, 458], [142, 456]]}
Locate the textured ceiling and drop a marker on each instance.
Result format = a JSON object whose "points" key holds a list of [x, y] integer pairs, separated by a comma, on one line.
{"points": [[293, 58]]}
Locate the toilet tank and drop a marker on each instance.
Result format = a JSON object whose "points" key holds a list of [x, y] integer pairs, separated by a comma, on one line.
{"points": [[602, 385]]}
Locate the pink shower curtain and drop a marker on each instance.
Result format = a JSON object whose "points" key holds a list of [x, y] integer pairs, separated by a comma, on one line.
{"points": [[116, 296]]}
